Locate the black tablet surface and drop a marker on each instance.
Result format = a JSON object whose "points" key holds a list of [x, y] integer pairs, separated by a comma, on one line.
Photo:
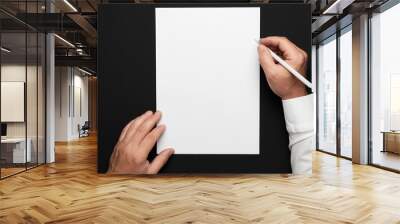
{"points": [[127, 84]]}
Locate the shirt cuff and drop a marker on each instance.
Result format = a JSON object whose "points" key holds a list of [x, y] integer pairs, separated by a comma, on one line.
{"points": [[299, 113]]}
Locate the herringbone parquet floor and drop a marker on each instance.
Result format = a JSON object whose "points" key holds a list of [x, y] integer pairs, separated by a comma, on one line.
{"points": [[70, 191]]}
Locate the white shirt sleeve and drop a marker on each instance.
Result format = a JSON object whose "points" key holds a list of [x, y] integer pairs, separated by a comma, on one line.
{"points": [[299, 117]]}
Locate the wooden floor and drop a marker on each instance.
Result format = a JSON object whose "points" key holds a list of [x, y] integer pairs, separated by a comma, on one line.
{"points": [[9, 171], [387, 159], [5, 172], [70, 191]]}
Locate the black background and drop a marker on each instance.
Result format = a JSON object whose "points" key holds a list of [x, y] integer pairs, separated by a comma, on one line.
{"points": [[127, 84]]}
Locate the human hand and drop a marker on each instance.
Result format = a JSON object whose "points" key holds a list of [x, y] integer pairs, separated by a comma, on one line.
{"points": [[134, 145], [282, 83]]}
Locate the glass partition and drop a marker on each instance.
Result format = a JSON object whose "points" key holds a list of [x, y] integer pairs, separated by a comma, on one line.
{"points": [[327, 95], [22, 77], [13, 90], [346, 92], [385, 89]]}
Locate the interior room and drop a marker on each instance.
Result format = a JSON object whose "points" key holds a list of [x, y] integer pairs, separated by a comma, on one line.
{"points": [[52, 102], [22, 101]]}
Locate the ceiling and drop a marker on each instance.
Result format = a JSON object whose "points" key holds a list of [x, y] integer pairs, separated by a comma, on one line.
{"points": [[76, 22]]}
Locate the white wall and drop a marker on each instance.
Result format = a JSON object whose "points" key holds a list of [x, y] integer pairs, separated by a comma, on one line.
{"points": [[80, 85], [71, 93], [33, 127], [16, 73], [61, 114]]}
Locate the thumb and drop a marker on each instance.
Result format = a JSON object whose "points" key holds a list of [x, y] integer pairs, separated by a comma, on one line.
{"points": [[266, 61], [160, 161]]}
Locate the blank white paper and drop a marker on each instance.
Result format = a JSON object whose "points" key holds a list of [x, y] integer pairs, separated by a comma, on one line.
{"points": [[208, 79]]}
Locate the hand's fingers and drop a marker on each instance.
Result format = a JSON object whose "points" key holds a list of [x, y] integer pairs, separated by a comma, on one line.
{"points": [[288, 49], [136, 124], [123, 132], [302, 51], [111, 162], [281, 43], [266, 60], [305, 55], [160, 161], [146, 127], [150, 140]]}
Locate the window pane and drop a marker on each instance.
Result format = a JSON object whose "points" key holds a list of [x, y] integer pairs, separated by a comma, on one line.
{"points": [[41, 98], [327, 96], [22, 88], [385, 84], [346, 94], [31, 99], [14, 153]]}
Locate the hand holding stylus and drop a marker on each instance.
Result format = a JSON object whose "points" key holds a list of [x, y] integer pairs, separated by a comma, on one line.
{"points": [[281, 81]]}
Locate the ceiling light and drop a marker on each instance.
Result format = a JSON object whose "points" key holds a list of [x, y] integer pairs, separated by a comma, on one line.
{"points": [[65, 41], [5, 50], [337, 7], [84, 71], [70, 5]]}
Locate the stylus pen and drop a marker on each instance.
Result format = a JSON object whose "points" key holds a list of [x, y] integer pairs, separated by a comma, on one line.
{"points": [[289, 68]]}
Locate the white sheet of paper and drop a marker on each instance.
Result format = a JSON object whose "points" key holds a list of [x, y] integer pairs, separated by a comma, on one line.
{"points": [[208, 79]]}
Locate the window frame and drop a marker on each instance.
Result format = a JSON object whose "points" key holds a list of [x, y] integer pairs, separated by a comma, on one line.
{"points": [[334, 37]]}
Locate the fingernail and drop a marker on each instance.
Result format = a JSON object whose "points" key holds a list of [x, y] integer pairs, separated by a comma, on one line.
{"points": [[169, 148], [162, 126]]}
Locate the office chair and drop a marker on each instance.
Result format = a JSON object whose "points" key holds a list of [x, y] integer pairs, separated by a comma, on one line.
{"points": [[84, 130]]}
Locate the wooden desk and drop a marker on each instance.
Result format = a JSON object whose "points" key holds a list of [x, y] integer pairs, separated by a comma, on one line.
{"points": [[13, 150], [391, 141]]}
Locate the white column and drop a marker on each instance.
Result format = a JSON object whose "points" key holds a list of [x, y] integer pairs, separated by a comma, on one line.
{"points": [[50, 84], [50, 92], [360, 90]]}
